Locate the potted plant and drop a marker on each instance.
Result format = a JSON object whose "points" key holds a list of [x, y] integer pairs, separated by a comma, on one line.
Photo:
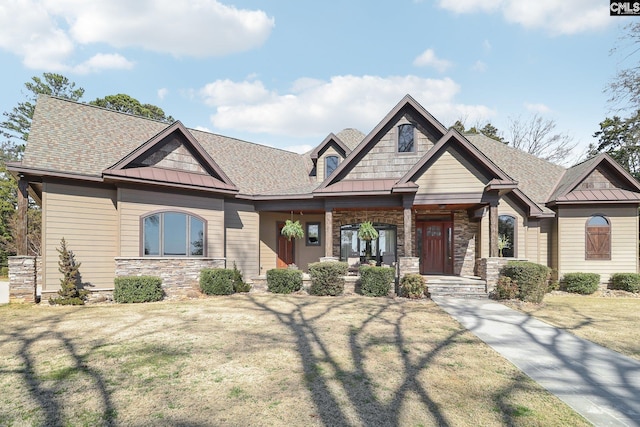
{"points": [[292, 230], [367, 233]]}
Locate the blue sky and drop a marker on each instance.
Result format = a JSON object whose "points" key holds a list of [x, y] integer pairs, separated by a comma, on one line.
{"points": [[287, 73]]}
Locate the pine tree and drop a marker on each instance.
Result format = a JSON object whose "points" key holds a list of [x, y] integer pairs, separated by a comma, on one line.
{"points": [[69, 294]]}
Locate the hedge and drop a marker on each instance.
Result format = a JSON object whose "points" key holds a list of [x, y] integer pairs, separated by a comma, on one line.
{"points": [[580, 283], [327, 278], [629, 282], [413, 286], [130, 289], [217, 281], [376, 281], [284, 281], [532, 279]]}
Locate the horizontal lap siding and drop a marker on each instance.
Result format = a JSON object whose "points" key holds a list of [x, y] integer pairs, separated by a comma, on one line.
{"points": [[135, 203], [451, 173], [268, 240], [242, 240], [86, 217], [624, 235]]}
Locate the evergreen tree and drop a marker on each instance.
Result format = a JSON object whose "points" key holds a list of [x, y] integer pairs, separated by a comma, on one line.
{"points": [[69, 293]]}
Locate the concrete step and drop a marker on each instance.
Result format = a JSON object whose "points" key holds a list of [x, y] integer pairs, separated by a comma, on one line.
{"points": [[466, 290]]}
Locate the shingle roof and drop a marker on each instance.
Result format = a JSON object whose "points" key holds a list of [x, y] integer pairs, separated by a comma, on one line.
{"points": [[87, 139], [351, 137], [536, 178]]}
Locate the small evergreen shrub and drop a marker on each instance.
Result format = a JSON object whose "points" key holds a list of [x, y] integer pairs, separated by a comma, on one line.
{"points": [[217, 281], [284, 280], [580, 283], [532, 279], [413, 286], [327, 278], [4, 272], [239, 285], [69, 293], [506, 288], [130, 289], [376, 281], [629, 282]]}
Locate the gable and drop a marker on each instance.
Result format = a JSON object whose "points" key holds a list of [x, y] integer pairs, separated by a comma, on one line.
{"points": [[451, 172], [171, 158], [171, 154], [382, 160], [601, 178]]}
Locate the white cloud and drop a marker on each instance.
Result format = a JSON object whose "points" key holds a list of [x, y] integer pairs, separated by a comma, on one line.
{"points": [[479, 66], [486, 45], [314, 110], [300, 149], [46, 33], [103, 61], [428, 58], [537, 108], [555, 17], [162, 93]]}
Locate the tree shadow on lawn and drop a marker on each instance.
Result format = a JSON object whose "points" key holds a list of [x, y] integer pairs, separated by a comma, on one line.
{"points": [[45, 389], [357, 383]]}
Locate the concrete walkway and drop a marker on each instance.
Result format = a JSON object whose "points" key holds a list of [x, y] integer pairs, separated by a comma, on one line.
{"points": [[600, 384]]}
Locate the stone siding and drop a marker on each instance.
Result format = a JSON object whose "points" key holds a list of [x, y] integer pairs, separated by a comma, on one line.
{"points": [[489, 269], [408, 265], [23, 278], [393, 217], [179, 275]]}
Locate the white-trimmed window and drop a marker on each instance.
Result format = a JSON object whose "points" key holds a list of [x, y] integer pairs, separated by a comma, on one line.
{"points": [[598, 238], [173, 234]]}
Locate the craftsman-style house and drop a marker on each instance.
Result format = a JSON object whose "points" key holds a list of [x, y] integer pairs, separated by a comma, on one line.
{"points": [[136, 196]]}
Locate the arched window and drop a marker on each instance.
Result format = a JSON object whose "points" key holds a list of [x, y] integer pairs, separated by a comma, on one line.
{"points": [[507, 236], [330, 164], [173, 234], [598, 238]]}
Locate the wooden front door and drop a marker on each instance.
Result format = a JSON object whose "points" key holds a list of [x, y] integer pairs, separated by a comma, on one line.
{"points": [[284, 249], [434, 246]]}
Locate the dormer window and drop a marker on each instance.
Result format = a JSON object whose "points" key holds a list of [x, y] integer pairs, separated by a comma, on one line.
{"points": [[405, 138], [330, 164]]}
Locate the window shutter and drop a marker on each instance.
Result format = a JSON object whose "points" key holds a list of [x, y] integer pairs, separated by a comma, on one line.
{"points": [[598, 242]]}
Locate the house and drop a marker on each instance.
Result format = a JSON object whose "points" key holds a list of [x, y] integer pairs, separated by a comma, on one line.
{"points": [[136, 196]]}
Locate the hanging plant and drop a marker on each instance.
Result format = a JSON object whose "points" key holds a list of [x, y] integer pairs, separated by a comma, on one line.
{"points": [[367, 231], [292, 230]]}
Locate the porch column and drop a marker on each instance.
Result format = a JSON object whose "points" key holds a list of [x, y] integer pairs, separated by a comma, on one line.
{"points": [[21, 227], [493, 230], [328, 233], [408, 246]]}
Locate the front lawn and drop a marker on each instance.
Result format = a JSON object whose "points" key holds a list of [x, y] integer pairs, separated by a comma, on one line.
{"points": [[259, 360], [609, 321]]}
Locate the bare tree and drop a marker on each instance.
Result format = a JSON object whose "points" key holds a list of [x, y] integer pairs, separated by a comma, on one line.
{"points": [[538, 136]]}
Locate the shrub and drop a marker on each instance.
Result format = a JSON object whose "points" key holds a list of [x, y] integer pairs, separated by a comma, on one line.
{"points": [[130, 289], [532, 279], [376, 281], [217, 281], [4, 271], [629, 282], [413, 286], [327, 278], [284, 280], [580, 283], [69, 293], [506, 288], [239, 285]]}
